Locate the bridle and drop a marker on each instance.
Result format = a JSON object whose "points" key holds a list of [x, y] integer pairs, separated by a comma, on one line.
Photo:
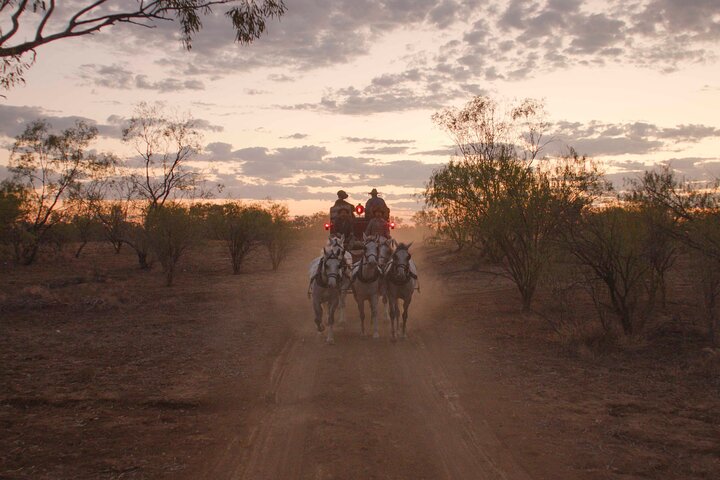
{"points": [[337, 276], [367, 257], [395, 266]]}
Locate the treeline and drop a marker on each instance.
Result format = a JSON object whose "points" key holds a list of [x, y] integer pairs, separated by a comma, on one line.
{"points": [[557, 222], [63, 191]]}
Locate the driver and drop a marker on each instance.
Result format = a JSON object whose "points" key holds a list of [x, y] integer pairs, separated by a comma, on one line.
{"points": [[375, 202], [341, 204]]}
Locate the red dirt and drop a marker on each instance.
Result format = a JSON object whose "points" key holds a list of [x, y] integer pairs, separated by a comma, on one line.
{"points": [[105, 373]]}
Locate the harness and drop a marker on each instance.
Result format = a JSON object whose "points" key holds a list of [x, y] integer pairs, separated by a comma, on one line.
{"points": [[359, 276], [318, 277], [392, 273]]}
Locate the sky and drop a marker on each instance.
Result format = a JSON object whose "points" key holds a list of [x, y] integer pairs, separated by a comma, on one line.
{"points": [[340, 93]]}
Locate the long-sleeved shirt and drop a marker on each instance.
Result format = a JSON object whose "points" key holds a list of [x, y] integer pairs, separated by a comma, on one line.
{"points": [[378, 226], [373, 203]]}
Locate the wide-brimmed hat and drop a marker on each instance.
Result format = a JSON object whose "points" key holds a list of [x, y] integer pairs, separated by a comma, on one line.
{"points": [[373, 191], [342, 194]]}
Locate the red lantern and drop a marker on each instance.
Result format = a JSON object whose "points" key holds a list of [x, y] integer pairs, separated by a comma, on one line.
{"points": [[392, 225], [327, 226], [359, 209]]}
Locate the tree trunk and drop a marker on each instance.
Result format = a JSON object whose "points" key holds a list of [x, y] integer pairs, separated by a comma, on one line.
{"points": [[82, 245], [143, 260], [28, 253], [169, 276]]}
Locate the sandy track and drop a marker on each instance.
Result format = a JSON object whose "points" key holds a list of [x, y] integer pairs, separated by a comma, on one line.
{"points": [[361, 409]]}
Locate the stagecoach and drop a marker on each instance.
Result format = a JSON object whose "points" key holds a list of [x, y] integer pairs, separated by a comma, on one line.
{"points": [[359, 225], [380, 268]]}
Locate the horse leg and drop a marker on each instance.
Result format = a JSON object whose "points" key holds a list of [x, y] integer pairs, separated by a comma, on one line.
{"points": [[361, 308], [383, 296], [394, 313], [317, 306], [331, 321], [386, 308], [341, 307], [374, 315], [406, 306]]}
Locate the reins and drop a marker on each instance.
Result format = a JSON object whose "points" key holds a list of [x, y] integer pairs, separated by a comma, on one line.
{"points": [[359, 274], [321, 272], [392, 273]]}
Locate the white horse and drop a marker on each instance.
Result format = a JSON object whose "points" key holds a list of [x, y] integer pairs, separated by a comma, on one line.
{"points": [[325, 284], [366, 282], [401, 281], [338, 242], [386, 247]]}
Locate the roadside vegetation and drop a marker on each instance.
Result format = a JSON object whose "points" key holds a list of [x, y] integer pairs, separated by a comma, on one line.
{"points": [[642, 258], [63, 194]]}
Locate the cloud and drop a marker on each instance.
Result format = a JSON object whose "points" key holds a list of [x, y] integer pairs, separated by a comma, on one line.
{"points": [[384, 141], [383, 150], [310, 35], [14, 119], [314, 166], [413, 89], [694, 169], [119, 77], [202, 124], [440, 152], [598, 138], [296, 136]]}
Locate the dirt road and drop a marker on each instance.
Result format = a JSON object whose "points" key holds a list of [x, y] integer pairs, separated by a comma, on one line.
{"points": [[363, 408], [107, 374]]}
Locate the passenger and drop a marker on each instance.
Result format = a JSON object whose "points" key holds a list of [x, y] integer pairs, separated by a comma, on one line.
{"points": [[374, 202], [378, 225], [341, 203]]}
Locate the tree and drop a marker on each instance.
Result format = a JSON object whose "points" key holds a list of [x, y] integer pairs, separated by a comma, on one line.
{"points": [[85, 223], [493, 198], [241, 227], [50, 168], [613, 244], [690, 215], [12, 203], [35, 23], [171, 232], [278, 237], [164, 144]]}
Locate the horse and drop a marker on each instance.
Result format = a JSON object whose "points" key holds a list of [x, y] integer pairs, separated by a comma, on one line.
{"points": [[386, 248], [400, 282], [336, 242], [366, 282], [326, 284]]}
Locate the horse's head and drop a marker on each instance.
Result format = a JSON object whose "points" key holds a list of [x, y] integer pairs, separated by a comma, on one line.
{"points": [[386, 248], [371, 250], [336, 240], [401, 261], [331, 265]]}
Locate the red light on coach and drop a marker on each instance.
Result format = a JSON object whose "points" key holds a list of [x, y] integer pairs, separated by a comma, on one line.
{"points": [[327, 226], [359, 209], [392, 225]]}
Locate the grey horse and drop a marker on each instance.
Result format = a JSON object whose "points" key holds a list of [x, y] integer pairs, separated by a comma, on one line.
{"points": [[325, 285], [366, 282], [386, 247], [400, 282]]}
